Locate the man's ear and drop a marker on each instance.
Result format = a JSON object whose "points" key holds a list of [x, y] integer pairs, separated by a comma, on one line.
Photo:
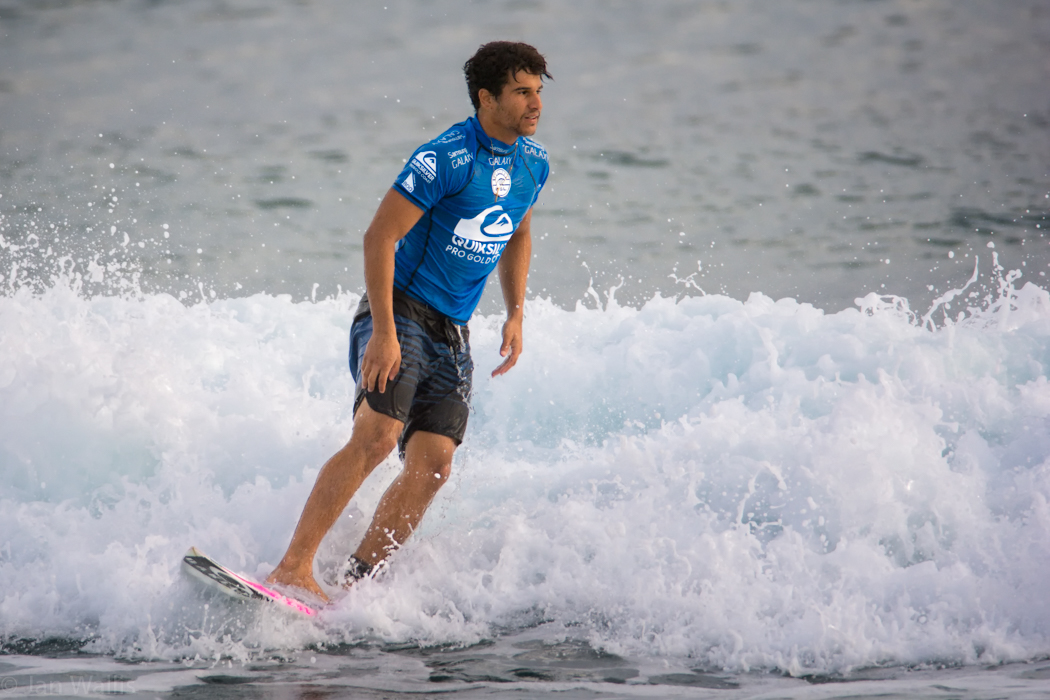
{"points": [[486, 98]]}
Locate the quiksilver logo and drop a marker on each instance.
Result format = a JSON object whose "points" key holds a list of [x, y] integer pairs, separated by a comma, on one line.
{"points": [[425, 163], [493, 225]]}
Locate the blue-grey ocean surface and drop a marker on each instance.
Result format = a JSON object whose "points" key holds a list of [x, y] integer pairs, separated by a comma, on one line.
{"points": [[782, 427]]}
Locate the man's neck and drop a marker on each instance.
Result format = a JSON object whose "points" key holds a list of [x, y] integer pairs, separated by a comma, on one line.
{"points": [[506, 137]]}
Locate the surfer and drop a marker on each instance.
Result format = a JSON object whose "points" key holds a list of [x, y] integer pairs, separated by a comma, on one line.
{"points": [[461, 207]]}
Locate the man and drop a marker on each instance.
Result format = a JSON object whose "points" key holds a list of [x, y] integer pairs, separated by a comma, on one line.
{"points": [[461, 207]]}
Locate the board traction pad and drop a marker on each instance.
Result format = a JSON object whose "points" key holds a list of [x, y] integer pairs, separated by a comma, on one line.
{"points": [[209, 571]]}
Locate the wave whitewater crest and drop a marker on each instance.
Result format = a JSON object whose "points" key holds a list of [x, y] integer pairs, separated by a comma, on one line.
{"points": [[748, 484]]}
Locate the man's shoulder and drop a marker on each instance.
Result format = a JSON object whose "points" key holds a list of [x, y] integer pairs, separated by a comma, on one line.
{"points": [[452, 139], [533, 149], [444, 156]]}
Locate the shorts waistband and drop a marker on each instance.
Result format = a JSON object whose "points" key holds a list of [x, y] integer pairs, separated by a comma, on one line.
{"points": [[439, 327]]}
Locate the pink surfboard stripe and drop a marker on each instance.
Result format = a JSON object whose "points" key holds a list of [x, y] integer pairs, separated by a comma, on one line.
{"points": [[190, 561], [277, 597]]}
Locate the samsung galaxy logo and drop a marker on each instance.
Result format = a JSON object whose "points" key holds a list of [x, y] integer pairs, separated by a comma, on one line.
{"points": [[460, 157], [534, 150]]}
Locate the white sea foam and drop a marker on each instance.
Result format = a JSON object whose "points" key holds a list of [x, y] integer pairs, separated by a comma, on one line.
{"points": [[750, 484]]}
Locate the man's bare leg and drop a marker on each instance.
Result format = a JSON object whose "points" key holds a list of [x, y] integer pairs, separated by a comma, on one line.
{"points": [[374, 436], [428, 463]]}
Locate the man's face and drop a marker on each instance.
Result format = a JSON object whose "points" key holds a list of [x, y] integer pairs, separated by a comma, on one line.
{"points": [[518, 106]]}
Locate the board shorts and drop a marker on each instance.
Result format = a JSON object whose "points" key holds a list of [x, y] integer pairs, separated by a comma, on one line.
{"points": [[431, 391]]}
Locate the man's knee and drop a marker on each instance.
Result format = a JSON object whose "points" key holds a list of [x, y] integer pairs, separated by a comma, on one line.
{"points": [[374, 433], [444, 471], [432, 475], [430, 454], [438, 472]]}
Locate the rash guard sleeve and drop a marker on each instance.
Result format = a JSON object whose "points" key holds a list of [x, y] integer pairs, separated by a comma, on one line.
{"points": [[435, 170]]}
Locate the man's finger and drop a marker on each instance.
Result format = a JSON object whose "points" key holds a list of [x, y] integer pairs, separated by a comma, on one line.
{"points": [[512, 358], [505, 366], [381, 379]]}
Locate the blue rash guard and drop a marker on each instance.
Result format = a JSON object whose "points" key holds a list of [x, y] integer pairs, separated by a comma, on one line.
{"points": [[474, 191]]}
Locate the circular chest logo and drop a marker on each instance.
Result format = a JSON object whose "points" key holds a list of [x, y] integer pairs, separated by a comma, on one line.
{"points": [[500, 182]]}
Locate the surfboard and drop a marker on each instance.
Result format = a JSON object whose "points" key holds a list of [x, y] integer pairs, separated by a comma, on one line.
{"points": [[205, 569]]}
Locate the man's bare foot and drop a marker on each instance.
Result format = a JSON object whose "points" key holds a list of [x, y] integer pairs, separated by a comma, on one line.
{"points": [[297, 581], [357, 569]]}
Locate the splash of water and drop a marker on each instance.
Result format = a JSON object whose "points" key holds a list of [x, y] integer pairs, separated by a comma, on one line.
{"points": [[750, 484]]}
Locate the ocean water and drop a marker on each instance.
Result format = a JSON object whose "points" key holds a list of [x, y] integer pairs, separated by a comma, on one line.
{"points": [[781, 429], [818, 150]]}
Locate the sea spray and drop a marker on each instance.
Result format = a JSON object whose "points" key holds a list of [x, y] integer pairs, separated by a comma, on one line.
{"points": [[750, 484]]}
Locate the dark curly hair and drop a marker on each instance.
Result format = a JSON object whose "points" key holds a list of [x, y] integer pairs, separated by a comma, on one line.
{"points": [[493, 64]]}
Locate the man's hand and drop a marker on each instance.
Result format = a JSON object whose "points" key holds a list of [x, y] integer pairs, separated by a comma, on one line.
{"points": [[381, 361], [511, 348]]}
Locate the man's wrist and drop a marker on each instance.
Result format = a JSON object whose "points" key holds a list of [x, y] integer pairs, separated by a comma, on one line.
{"points": [[386, 329]]}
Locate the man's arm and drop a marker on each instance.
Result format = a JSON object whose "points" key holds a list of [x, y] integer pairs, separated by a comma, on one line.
{"points": [[393, 219], [513, 275]]}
